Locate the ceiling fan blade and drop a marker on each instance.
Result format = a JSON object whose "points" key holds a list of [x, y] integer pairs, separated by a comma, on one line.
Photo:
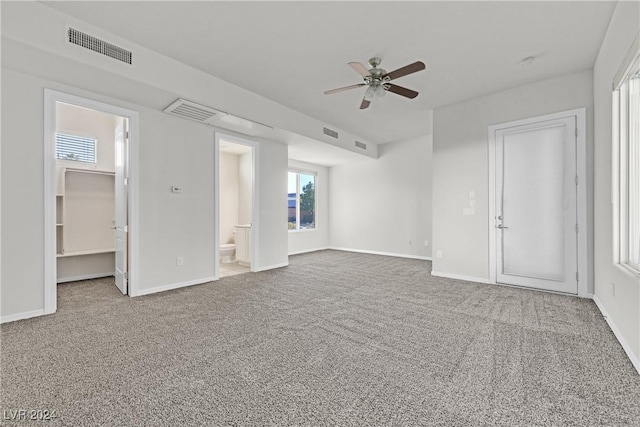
{"points": [[407, 69], [360, 69], [340, 89], [401, 90], [365, 104]]}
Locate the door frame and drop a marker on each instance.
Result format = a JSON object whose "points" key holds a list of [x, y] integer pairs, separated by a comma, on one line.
{"points": [[51, 97], [255, 219], [581, 170]]}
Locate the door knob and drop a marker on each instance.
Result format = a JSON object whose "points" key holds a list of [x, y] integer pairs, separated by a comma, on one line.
{"points": [[501, 226]]}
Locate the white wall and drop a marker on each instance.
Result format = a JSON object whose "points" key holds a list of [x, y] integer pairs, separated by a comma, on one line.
{"points": [[318, 238], [228, 196], [623, 309], [271, 187], [245, 178], [384, 205], [460, 165], [89, 123]]}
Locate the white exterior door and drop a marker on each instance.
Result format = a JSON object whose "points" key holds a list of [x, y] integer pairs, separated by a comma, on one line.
{"points": [[536, 211], [121, 205]]}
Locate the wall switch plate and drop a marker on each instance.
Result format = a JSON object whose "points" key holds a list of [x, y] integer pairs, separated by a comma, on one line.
{"points": [[179, 261], [176, 189], [439, 254], [426, 243]]}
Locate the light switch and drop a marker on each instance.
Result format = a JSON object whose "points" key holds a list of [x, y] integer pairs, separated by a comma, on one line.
{"points": [[175, 189]]}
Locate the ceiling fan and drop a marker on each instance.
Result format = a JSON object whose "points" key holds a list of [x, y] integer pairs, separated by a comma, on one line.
{"points": [[378, 80]]}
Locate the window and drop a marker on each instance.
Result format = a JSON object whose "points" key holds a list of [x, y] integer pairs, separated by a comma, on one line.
{"points": [[76, 148], [301, 200], [627, 159]]}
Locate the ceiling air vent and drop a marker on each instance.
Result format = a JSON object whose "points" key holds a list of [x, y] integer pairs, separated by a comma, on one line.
{"points": [[100, 46], [330, 132], [361, 145], [191, 110], [209, 116]]}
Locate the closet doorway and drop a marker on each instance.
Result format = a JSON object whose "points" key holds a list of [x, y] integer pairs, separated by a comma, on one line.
{"points": [[88, 193], [236, 217]]}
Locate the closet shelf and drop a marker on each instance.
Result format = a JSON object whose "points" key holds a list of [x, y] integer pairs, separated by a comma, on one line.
{"points": [[94, 171], [88, 252]]}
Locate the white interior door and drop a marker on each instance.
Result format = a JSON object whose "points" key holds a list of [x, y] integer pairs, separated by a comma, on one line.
{"points": [[536, 213], [121, 205]]}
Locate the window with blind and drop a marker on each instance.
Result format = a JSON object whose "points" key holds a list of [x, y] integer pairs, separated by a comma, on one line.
{"points": [[75, 148], [627, 159]]}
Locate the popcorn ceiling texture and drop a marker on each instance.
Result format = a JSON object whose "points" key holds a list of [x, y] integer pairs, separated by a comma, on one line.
{"points": [[336, 338]]}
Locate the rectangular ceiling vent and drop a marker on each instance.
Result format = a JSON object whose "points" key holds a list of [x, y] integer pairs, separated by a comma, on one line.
{"points": [[100, 46], [192, 111], [361, 145], [210, 116], [330, 132]]}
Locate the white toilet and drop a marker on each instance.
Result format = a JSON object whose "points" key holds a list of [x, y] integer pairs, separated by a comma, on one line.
{"points": [[227, 251]]}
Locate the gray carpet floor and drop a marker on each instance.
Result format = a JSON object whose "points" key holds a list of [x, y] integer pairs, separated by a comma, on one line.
{"points": [[336, 338]]}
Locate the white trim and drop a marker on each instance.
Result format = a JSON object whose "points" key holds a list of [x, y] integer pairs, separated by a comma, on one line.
{"points": [[86, 277], [362, 251], [581, 170], [306, 251], [625, 346], [50, 267], [172, 286], [255, 198], [270, 267], [20, 316], [462, 277], [50, 259]]}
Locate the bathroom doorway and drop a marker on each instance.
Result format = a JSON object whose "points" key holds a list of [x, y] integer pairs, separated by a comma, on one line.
{"points": [[235, 224]]}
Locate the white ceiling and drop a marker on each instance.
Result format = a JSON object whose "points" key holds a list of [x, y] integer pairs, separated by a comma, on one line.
{"points": [[291, 52]]}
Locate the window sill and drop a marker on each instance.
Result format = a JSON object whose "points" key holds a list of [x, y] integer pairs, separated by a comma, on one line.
{"points": [[304, 230]]}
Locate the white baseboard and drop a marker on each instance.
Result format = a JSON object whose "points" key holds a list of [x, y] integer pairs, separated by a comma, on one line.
{"points": [[85, 277], [173, 286], [271, 267], [362, 251], [306, 251], [461, 277], [20, 316], [625, 346]]}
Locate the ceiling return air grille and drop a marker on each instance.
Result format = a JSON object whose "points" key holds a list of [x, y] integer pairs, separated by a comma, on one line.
{"points": [[207, 115], [361, 145], [193, 111], [100, 46], [330, 132]]}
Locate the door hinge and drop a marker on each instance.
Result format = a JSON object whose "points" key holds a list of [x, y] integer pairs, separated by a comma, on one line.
{"points": [[126, 228], [126, 135], [576, 179], [577, 277], [577, 229], [126, 277], [126, 182], [576, 131]]}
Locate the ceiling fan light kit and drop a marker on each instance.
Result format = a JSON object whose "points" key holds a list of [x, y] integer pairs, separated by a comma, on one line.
{"points": [[377, 79]]}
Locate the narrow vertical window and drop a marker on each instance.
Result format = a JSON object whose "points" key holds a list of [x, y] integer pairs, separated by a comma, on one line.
{"points": [[626, 127], [301, 200]]}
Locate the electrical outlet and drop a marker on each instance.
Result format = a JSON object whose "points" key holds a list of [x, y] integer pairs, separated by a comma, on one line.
{"points": [[613, 289], [426, 243], [439, 254], [179, 261]]}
